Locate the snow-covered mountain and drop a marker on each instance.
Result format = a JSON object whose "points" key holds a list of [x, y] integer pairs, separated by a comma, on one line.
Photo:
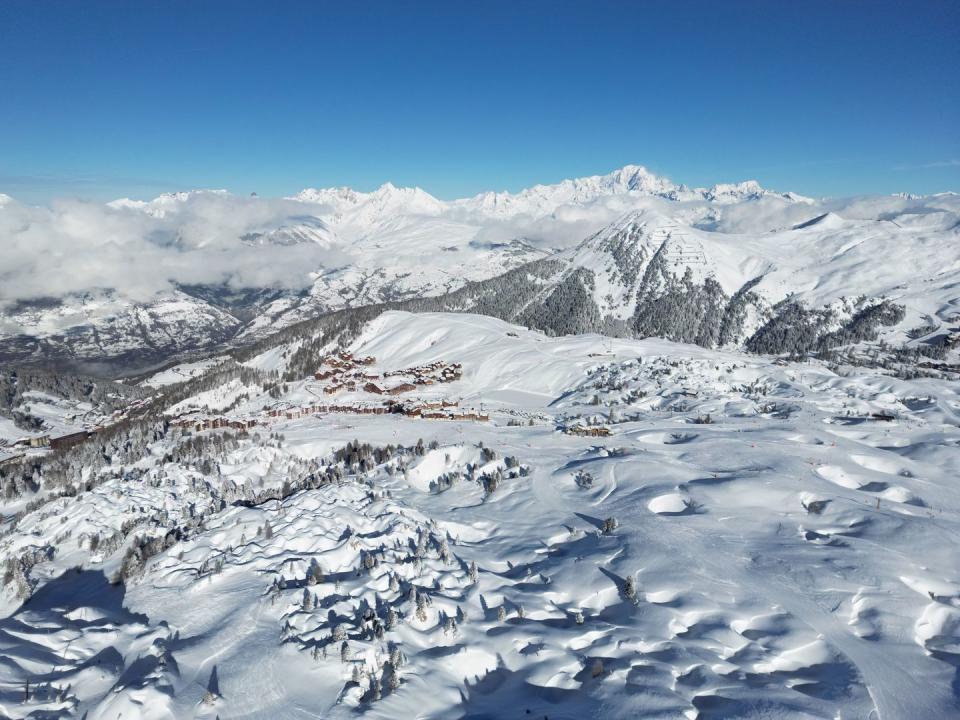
{"points": [[631, 180], [646, 255], [349, 207], [84, 330], [193, 270]]}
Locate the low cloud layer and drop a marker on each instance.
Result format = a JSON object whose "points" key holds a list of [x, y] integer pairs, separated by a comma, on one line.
{"points": [[567, 226], [142, 249]]}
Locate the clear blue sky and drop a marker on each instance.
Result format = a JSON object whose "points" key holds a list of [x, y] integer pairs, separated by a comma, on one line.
{"points": [[102, 99]]}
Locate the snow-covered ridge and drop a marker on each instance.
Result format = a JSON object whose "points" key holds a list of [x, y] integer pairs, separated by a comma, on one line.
{"points": [[536, 201], [251, 265]]}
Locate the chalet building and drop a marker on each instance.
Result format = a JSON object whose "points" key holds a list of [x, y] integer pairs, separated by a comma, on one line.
{"points": [[66, 441], [37, 441], [372, 387], [12, 459], [401, 388]]}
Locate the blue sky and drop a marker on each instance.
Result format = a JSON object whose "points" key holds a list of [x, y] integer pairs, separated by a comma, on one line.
{"points": [[104, 99]]}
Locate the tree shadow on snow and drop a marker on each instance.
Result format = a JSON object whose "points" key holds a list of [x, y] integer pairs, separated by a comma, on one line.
{"points": [[78, 604], [486, 697]]}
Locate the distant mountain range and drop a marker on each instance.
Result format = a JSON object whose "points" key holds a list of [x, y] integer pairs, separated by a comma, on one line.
{"points": [[627, 253], [357, 208]]}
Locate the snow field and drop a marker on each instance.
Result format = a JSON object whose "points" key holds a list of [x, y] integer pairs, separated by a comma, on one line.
{"points": [[778, 551]]}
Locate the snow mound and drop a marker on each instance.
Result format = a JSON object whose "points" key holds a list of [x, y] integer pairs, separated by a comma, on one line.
{"points": [[671, 504]]}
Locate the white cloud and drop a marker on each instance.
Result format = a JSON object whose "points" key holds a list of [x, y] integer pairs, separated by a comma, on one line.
{"points": [[142, 249]]}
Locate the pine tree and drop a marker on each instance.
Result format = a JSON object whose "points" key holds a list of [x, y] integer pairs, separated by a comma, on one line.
{"points": [[450, 627], [393, 679], [444, 551], [315, 573]]}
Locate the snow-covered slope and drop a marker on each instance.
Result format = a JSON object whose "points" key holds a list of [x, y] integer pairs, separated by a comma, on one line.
{"points": [[84, 331], [819, 262], [640, 527], [140, 280]]}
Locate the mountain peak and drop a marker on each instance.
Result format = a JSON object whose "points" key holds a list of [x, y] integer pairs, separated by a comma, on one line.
{"points": [[634, 176], [536, 201]]}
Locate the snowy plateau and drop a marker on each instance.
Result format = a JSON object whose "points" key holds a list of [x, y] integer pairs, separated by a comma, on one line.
{"points": [[612, 448]]}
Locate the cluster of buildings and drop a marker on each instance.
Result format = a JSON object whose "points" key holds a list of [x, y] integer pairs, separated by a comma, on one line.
{"points": [[435, 410], [438, 410], [213, 423], [435, 372], [68, 440], [343, 371], [378, 389], [18, 448], [55, 443], [355, 408]]}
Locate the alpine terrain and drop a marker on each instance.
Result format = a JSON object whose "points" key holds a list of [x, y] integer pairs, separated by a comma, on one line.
{"points": [[613, 447]]}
